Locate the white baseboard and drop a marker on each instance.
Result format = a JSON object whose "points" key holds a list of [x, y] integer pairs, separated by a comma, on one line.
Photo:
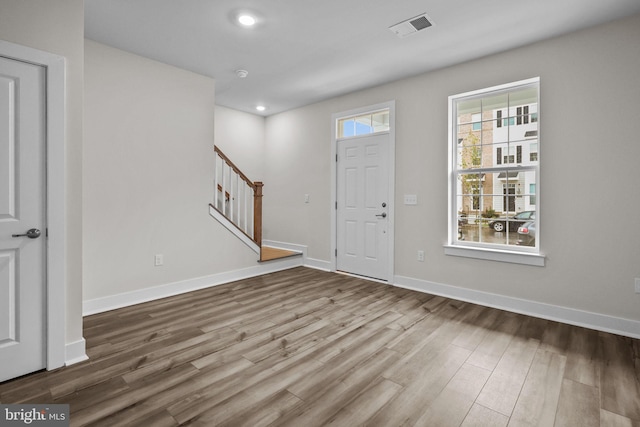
{"points": [[600, 322], [571, 316], [75, 352], [126, 299], [318, 264]]}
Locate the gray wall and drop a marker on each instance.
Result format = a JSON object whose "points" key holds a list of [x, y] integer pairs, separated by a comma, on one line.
{"points": [[148, 176], [589, 155], [58, 27], [241, 137]]}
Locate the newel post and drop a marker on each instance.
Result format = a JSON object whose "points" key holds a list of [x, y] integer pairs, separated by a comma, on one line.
{"points": [[257, 213]]}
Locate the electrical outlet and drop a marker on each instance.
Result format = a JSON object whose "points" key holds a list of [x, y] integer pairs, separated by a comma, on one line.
{"points": [[637, 285], [421, 256], [306, 198], [158, 260]]}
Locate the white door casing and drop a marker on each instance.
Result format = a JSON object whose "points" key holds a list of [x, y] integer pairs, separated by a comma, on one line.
{"points": [[53, 238], [363, 243], [363, 201], [22, 207]]}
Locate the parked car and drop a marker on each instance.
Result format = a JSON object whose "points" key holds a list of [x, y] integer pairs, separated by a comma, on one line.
{"points": [[499, 224], [527, 234]]}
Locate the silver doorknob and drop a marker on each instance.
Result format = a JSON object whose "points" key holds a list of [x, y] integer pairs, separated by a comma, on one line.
{"points": [[383, 215], [34, 233]]}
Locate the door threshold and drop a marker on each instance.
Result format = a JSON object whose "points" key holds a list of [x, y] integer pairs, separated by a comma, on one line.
{"points": [[362, 276]]}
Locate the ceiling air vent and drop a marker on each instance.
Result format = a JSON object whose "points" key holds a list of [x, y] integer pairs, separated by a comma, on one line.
{"points": [[410, 26]]}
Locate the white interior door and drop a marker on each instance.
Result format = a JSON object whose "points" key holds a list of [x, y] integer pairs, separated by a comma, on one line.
{"points": [[363, 207], [22, 218]]}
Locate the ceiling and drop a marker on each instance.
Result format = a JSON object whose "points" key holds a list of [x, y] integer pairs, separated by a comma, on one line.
{"points": [[301, 52]]}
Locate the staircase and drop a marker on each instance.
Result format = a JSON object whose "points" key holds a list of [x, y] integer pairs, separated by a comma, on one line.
{"points": [[238, 206]]}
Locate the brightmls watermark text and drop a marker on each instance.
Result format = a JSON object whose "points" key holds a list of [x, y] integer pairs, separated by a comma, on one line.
{"points": [[34, 415]]}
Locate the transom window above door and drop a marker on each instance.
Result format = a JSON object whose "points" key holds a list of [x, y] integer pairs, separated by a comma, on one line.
{"points": [[364, 124]]}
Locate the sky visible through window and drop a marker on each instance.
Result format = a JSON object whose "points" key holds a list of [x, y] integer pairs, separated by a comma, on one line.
{"points": [[353, 128], [364, 124]]}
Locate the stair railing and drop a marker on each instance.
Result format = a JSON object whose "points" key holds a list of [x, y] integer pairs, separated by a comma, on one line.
{"points": [[237, 197]]}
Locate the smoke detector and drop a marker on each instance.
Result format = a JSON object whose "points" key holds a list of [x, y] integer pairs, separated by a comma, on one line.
{"points": [[410, 26], [242, 73]]}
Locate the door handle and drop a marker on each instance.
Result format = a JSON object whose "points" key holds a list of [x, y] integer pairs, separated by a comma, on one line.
{"points": [[383, 215], [34, 233]]}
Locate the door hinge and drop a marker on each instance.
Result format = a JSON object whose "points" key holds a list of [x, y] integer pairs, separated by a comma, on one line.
{"points": [[336, 205], [336, 253], [336, 158]]}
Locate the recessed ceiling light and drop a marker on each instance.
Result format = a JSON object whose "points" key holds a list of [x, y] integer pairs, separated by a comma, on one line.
{"points": [[261, 108], [246, 20]]}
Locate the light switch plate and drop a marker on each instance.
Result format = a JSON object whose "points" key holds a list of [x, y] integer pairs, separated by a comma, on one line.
{"points": [[410, 199]]}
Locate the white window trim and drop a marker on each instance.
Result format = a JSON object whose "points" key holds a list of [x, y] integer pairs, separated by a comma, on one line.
{"points": [[354, 116], [453, 247], [525, 258]]}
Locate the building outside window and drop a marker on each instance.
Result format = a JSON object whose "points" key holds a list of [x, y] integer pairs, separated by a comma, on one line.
{"points": [[533, 152], [494, 169], [532, 194]]}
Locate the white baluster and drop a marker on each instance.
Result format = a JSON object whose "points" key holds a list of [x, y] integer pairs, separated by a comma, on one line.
{"points": [[215, 180], [251, 213], [232, 175], [244, 196], [224, 188]]}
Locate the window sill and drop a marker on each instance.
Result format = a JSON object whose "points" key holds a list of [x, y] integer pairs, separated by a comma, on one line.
{"points": [[537, 260]]}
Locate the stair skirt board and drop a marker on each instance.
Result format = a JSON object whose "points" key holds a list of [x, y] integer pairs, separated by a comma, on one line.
{"points": [[234, 229]]}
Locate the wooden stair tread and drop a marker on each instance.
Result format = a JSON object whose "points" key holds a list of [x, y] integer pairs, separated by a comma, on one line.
{"points": [[268, 253]]}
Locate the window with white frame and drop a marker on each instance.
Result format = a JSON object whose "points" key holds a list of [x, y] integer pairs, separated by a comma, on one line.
{"points": [[494, 168], [364, 124]]}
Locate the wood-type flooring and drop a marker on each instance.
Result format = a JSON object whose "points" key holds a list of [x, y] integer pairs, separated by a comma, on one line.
{"points": [[309, 348]]}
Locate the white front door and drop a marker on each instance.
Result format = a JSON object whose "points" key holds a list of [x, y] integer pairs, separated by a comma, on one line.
{"points": [[22, 212], [363, 206]]}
